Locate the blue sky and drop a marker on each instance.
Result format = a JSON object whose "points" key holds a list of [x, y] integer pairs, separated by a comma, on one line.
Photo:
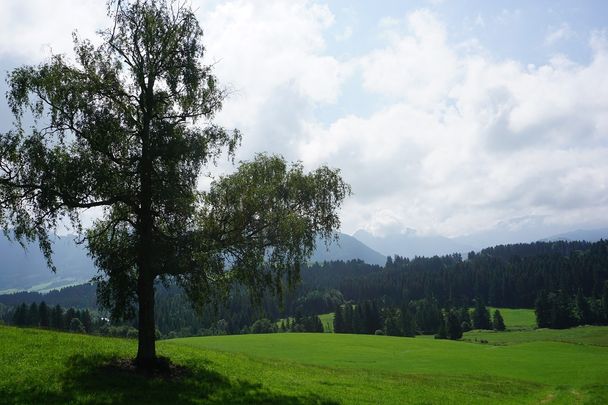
{"points": [[447, 117]]}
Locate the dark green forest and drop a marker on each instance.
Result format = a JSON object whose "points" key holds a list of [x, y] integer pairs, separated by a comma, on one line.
{"points": [[566, 283]]}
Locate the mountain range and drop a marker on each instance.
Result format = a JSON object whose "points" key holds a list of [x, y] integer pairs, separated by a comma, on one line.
{"points": [[26, 269], [410, 244]]}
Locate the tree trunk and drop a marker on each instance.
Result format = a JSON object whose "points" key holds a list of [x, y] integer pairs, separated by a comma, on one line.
{"points": [[146, 349]]}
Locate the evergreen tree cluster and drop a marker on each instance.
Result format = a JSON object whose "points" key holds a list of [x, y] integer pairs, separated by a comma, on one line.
{"points": [[560, 310], [364, 318], [503, 276], [175, 316], [409, 295], [481, 316], [43, 316], [301, 323], [423, 317], [456, 321], [77, 296], [399, 322]]}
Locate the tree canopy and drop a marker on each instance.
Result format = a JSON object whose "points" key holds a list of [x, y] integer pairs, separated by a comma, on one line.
{"points": [[128, 127]]}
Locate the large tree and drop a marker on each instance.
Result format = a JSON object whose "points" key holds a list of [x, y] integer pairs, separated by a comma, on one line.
{"points": [[128, 127]]}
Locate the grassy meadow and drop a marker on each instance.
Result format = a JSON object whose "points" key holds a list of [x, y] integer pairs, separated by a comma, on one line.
{"points": [[38, 366], [516, 319]]}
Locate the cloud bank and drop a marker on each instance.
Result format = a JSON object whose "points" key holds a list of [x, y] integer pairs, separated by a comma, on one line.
{"points": [[446, 138]]}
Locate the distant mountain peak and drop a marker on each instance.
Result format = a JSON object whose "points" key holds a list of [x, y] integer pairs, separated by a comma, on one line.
{"points": [[589, 235], [411, 244], [346, 248]]}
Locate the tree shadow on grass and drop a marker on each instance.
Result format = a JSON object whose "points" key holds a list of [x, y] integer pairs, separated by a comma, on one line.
{"points": [[103, 380]]}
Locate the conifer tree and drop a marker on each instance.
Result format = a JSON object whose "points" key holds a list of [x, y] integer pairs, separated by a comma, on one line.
{"points": [[33, 316], [375, 318], [20, 315], [443, 331], [76, 326], [465, 319], [542, 309], [57, 321], [339, 320], [583, 309], [391, 323], [481, 316], [498, 322], [43, 315], [408, 322], [348, 318], [454, 330], [562, 311], [359, 322], [68, 316], [86, 320]]}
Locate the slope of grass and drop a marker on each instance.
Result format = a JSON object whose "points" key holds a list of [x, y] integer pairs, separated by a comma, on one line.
{"points": [[54, 368], [587, 335], [542, 362], [517, 319]]}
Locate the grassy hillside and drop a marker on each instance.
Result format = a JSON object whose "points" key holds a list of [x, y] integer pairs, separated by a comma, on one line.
{"points": [[517, 319], [542, 362], [587, 335], [50, 367]]}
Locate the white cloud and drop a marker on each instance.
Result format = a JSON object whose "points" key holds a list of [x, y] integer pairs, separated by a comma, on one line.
{"points": [[468, 141], [29, 28], [273, 54], [418, 66], [450, 140], [563, 32], [345, 34]]}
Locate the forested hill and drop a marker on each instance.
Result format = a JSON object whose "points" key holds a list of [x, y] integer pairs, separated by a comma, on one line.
{"points": [[27, 270], [78, 296], [504, 276], [560, 247]]}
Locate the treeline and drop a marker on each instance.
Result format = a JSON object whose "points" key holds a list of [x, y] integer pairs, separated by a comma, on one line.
{"points": [[175, 317], [364, 318], [502, 276], [311, 324], [43, 316], [560, 310], [415, 318]]}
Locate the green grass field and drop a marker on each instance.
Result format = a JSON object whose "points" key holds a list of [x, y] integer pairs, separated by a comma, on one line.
{"points": [[51, 367], [517, 319]]}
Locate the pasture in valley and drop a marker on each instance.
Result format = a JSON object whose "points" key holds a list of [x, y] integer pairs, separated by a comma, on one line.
{"points": [[525, 366]]}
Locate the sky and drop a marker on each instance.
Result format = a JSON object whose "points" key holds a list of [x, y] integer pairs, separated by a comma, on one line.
{"points": [[446, 117]]}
